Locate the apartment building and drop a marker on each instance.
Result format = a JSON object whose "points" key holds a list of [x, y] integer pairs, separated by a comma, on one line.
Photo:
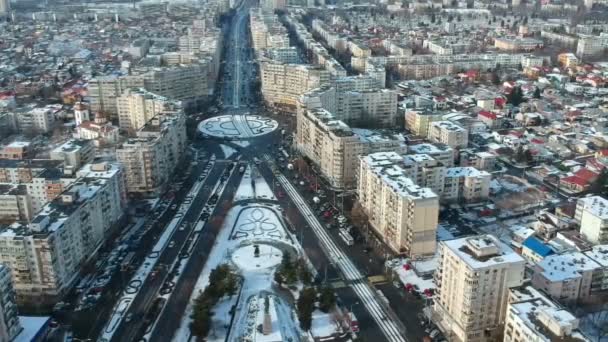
{"points": [[425, 171], [16, 150], [15, 203], [404, 214], [266, 30], [566, 277], [283, 84], [335, 147], [104, 90], [153, 154], [533, 317], [480, 160], [355, 100], [186, 82], [515, 44], [74, 153], [591, 46], [473, 279], [466, 184], [33, 119], [136, 107], [592, 215], [287, 55], [419, 121], [449, 133], [46, 255], [10, 326], [440, 152]]}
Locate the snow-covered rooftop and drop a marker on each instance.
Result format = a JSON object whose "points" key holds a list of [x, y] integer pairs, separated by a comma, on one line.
{"points": [[483, 251], [595, 205], [560, 267]]}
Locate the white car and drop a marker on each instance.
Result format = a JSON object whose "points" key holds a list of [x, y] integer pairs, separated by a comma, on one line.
{"points": [[171, 244]]}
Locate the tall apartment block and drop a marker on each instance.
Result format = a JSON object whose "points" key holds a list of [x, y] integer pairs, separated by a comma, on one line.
{"points": [[473, 281], [403, 213], [153, 154]]}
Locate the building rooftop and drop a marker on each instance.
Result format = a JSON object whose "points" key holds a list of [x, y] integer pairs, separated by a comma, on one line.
{"points": [[385, 165], [483, 251], [546, 318], [72, 145], [430, 148], [597, 205], [466, 172], [560, 267]]}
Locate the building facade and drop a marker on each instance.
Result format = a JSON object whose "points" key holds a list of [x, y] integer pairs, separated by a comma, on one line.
{"points": [[404, 214], [47, 254], [151, 157], [473, 279]]}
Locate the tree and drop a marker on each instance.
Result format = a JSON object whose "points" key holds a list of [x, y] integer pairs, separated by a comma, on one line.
{"points": [[278, 278], [537, 93], [515, 97], [327, 299], [433, 18], [306, 306], [304, 273]]}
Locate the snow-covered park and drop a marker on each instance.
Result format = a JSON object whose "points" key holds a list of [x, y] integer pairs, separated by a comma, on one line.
{"points": [[253, 240], [237, 126]]}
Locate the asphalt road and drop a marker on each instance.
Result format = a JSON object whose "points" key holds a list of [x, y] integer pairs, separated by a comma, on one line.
{"points": [[176, 305], [128, 331]]}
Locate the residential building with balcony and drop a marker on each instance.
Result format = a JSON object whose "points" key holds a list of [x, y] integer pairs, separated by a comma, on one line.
{"points": [[46, 255], [592, 215], [473, 279], [153, 154], [403, 213], [10, 326], [449, 133]]}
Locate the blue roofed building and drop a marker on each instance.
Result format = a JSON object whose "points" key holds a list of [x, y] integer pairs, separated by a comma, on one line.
{"points": [[534, 250]]}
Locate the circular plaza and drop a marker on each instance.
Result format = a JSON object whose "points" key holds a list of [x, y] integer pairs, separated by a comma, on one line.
{"points": [[236, 127]]}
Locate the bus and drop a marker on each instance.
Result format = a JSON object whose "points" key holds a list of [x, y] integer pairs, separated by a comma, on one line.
{"points": [[346, 237]]}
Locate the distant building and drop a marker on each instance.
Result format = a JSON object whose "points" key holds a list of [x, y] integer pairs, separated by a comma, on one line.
{"points": [[473, 279], [418, 121], [466, 184], [5, 10], [283, 84], [440, 152], [15, 203], [335, 147], [136, 107], [449, 133], [152, 156], [16, 150], [74, 153]]}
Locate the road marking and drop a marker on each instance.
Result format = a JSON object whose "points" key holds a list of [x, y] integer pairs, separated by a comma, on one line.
{"points": [[366, 295]]}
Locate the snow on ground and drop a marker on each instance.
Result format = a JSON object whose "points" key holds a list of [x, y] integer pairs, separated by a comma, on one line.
{"points": [[262, 190], [241, 225], [237, 126], [253, 186], [416, 273], [269, 257], [323, 324], [221, 315], [227, 150], [443, 233], [241, 143]]}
